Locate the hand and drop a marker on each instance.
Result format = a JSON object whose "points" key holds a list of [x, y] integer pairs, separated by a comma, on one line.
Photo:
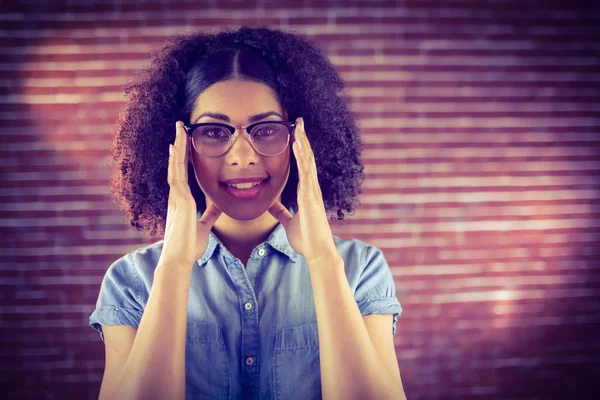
{"points": [[308, 230], [186, 239]]}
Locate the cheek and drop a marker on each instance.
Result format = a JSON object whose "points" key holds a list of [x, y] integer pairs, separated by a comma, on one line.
{"points": [[280, 166], [206, 173]]}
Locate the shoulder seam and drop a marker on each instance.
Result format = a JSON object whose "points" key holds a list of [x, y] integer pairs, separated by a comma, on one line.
{"points": [[138, 290], [365, 250]]}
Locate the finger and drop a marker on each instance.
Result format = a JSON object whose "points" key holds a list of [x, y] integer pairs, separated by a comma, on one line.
{"points": [[170, 175], [299, 164], [172, 168], [307, 151], [304, 143], [210, 216], [174, 154], [308, 184], [186, 161], [300, 150], [280, 213], [180, 149], [184, 142]]}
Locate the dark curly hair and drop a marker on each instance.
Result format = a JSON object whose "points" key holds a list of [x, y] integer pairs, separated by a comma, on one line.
{"points": [[305, 81]]}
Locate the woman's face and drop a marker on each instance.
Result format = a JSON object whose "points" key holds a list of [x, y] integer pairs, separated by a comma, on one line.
{"points": [[238, 101]]}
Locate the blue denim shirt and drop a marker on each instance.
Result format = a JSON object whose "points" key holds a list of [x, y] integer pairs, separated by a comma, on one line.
{"points": [[251, 332]]}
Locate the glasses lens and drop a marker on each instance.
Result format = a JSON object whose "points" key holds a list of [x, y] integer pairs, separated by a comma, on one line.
{"points": [[211, 140], [270, 138]]}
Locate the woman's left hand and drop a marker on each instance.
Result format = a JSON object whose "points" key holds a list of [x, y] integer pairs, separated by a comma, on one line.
{"points": [[308, 230]]}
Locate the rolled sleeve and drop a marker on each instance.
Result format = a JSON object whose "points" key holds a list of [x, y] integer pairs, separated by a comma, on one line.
{"points": [[119, 301], [376, 290]]}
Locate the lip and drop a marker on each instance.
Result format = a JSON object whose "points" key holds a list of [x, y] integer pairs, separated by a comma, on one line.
{"points": [[244, 180], [245, 194]]}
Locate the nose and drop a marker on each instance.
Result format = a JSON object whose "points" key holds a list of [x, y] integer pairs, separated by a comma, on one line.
{"points": [[241, 151]]}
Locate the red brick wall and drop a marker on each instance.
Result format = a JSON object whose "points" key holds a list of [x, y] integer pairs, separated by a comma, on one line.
{"points": [[480, 122]]}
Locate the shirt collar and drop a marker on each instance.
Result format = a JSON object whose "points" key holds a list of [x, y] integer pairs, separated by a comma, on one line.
{"points": [[277, 240]]}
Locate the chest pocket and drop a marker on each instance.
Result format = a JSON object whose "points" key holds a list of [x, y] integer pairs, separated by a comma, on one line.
{"points": [[296, 363], [207, 374]]}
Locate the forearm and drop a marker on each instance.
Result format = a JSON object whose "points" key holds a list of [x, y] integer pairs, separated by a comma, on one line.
{"points": [[155, 367], [350, 365]]}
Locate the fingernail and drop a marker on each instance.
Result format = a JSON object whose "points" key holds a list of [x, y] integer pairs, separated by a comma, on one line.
{"points": [[170, 149]]}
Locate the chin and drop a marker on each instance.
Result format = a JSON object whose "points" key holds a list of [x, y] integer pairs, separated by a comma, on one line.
{"points": [[242, 213], [244, 210]]}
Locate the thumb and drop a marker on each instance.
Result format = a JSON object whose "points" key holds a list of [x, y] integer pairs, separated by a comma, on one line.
{"points": [[210, 216], [280, 213]]}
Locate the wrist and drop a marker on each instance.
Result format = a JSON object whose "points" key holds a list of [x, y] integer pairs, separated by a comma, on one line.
{"points": [[173, 268], [331, 258]]}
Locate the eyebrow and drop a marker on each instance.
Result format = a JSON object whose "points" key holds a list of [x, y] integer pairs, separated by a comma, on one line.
{"points": [[253, 118]]}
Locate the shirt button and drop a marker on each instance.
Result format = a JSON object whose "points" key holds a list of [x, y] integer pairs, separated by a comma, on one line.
{"points": [[261, 252], [248, 306], [249, 361]]}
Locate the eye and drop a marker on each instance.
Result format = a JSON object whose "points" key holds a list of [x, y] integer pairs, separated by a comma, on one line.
{"points": [[212, 132], [268, 129], [264, 131]]}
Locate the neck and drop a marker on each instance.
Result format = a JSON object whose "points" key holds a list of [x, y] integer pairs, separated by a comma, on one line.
{"points": [[244, 235]]}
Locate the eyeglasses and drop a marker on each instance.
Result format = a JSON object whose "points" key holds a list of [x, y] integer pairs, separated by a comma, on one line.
{"points": [[269, 138]]}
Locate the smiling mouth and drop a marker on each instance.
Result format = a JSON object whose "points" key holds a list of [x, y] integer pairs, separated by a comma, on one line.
{"points": [[243, 186], [245, 193]]}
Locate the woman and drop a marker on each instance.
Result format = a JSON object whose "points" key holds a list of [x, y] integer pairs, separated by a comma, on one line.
{"points": [[237, 147]]}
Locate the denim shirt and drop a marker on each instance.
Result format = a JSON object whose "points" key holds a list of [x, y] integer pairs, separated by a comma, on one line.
{"points": [[251, 332]]}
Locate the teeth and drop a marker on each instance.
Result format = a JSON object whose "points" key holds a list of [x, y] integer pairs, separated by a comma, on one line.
{"points": [[246, 185]]}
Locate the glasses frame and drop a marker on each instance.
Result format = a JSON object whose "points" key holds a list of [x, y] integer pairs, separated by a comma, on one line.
{"points": [[189, 129]]}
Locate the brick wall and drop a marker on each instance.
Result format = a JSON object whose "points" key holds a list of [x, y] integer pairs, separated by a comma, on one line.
{"points": [[480, 123]]}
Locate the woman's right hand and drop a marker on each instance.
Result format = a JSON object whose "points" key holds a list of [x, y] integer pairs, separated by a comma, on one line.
{"points": [[186, 239]]}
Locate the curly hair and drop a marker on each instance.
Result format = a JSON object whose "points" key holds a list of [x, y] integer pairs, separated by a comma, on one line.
{"points": [[305, 81]]}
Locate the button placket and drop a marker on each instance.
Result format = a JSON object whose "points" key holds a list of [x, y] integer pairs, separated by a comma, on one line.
{"points": [[250, 341]]}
